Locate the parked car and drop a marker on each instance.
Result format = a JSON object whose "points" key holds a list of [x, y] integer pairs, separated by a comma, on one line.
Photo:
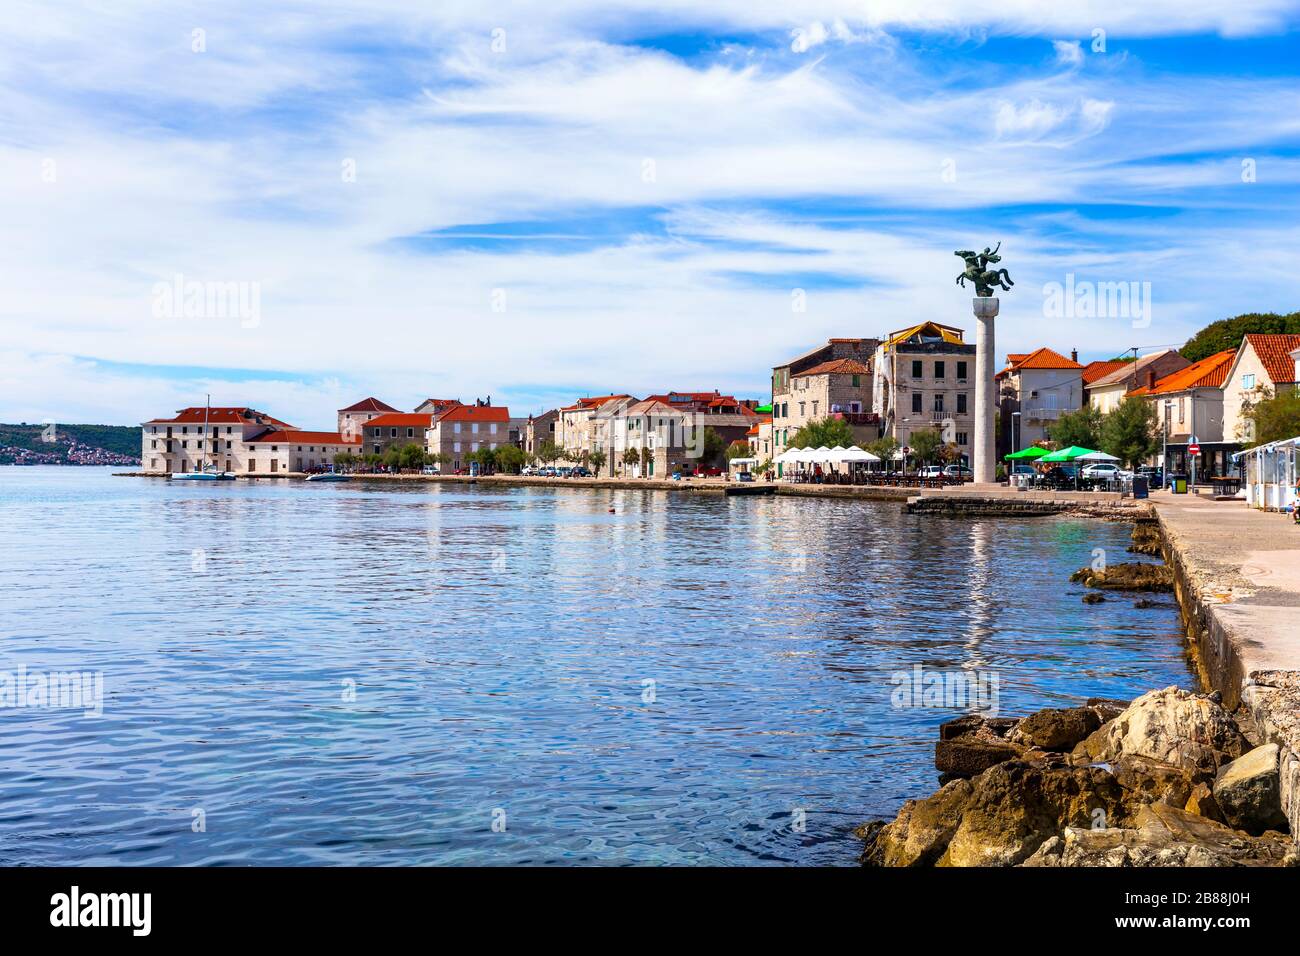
{"points": [[1153, 474], [579, 472], [1103, 470], [930, 471], [958, 471], [708, 472], [1024, 470], [527, 470], [745, 476], [429, 470]]}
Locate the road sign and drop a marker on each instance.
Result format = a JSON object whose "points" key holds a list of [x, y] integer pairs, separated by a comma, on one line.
{"points": [[1193, 449]]}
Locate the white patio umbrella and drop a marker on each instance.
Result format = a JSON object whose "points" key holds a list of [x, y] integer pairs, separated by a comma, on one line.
{"points": [[854, 453], [1096, 456]]}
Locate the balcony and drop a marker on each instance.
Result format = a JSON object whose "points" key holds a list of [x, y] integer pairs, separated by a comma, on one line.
{"points": [[857, 418], [1041, 413]]}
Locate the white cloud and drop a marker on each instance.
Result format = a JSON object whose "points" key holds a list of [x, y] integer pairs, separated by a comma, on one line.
{"points": [[1068, 52]]}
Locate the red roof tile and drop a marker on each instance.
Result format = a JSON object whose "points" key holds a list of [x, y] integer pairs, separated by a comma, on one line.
{"points": [[1275, 352], [220, 415], [1207, 373], [1095, 370], [369, 405], [294, 437], [476, 413], [401, 419], [844, 366]]}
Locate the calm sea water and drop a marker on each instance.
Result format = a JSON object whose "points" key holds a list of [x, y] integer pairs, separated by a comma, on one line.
{"points": [[375, 674]]}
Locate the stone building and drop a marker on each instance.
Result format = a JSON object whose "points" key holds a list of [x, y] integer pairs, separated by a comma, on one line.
{"points": [[398, 429], [1034, 390], [834, 379], [539, 429], [924, 378], [1107, 392], [463, 429], [239, 440], [352, 418]]}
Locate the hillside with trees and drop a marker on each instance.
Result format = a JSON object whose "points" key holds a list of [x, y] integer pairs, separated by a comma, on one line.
{"points": [[69, 444], [1228, 333]]}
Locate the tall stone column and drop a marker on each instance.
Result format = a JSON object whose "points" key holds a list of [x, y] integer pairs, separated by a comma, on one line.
{"points": [[985, 458]]}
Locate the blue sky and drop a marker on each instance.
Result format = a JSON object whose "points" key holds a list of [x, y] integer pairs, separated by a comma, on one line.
{"points": [[541, 201]]}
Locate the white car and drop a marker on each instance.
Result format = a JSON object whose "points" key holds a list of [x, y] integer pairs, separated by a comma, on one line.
{"points": [[930, 471], [528, 470], [1103, 470]]}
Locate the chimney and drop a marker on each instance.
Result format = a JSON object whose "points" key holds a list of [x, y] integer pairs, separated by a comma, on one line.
{"points": [[1074, 355], [1151, 378]]}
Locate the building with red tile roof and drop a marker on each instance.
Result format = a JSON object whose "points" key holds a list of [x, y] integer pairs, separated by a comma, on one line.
{"points": [[460, 430], [352, 418], [1033, 391], [238, 440], [1262, 366], [395, 429]]}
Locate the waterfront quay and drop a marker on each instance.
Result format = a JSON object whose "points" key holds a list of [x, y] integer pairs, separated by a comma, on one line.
{"points": [[1237, 579]]}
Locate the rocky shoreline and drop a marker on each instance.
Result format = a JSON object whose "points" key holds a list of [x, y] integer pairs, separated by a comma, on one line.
{"points": [[1172, 778]]}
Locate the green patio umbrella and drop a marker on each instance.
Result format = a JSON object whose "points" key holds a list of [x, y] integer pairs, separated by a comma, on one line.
{"points": [[1067, 454], [1032, 452]]}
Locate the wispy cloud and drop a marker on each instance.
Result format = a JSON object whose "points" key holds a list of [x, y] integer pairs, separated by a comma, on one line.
{"points": [[681, 166]]}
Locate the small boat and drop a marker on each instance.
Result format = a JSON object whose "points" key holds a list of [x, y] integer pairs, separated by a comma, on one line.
{"points": [[203, 474], [329, 476]]}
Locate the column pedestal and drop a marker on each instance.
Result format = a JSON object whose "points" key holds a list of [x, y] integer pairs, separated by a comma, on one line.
{"points": [[984, 460]]}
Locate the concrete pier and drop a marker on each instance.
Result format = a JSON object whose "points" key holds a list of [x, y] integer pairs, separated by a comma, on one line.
{"points": [[1237, 579]]}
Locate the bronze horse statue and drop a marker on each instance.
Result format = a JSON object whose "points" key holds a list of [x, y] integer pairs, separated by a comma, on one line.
{"points": [[978, 271]]}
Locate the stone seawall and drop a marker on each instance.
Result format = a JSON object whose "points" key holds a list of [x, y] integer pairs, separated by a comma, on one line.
{"points": [[1237, 580]]}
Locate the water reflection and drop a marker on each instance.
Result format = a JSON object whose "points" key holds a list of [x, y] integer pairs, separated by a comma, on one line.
{"points": [[501, 644]]}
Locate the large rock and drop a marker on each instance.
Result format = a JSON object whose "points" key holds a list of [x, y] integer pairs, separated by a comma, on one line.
{"points": [[1164, 836], [968, 756], [1127, 577], [1150, 781], [1172, 726], [1015, 806], [921, 831], [1202, 803], [1056, 729], [1248, 794]]}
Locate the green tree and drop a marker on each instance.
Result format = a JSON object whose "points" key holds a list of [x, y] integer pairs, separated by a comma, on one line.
{"points": [[412, 456], [738, 450], [1080, 427], [440, 458], [631, 456], [510, 458], [926, 444], [714, 446], [884, 448], [1274, 418], [1228, 333], [826, 431], [647, 456], [345, 460], [1130, 431], [392, 457], [549, 452], [597, 460]]}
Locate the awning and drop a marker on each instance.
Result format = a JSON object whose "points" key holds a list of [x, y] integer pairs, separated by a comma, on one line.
{"points": [[1032, 452]]}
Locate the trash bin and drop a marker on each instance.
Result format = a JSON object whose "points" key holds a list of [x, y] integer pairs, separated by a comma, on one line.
{"points": [[1139, 486], [1178, 484]]}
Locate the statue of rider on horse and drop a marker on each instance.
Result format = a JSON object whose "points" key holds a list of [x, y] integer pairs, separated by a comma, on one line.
{"points": [[978, 271]]}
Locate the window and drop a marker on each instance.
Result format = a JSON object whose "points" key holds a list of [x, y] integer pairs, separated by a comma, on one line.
{"points": [[938, 402], [961, 404], [392, 433], [857, 381], [455, 446], [916, 368], [474, 446], [938, 370], [814, 404], [803, 409], [493, 429], [961, 371], [410, 433], [457, 428], [916, 401], [1180, 409], [1247, 381], [961, 439], [474, 428]]}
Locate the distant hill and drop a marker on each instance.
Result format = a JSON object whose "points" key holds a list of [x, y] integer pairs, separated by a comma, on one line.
{"points": [[1228, 333], [71, 444]]}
